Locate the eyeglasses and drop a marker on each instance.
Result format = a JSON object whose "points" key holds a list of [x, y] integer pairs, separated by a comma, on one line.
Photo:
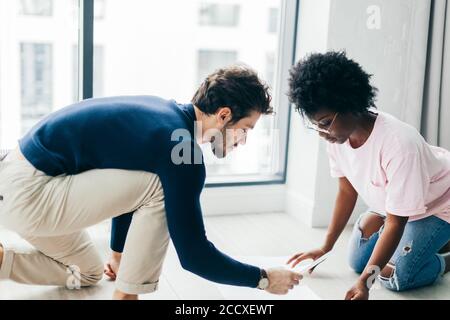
{"points": [[319, 128]]}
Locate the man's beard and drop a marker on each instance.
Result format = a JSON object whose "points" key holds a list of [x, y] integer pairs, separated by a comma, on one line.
{"points": [[218, 146]]}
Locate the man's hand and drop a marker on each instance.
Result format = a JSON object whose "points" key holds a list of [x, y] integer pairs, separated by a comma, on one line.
{"points": [[111, 268], [358, 292], [282, 280]]}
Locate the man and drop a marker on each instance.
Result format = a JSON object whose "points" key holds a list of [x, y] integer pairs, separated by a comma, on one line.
{"points": [[101, 158]]}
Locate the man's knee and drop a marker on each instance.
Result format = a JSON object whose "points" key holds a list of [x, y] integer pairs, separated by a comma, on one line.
{"points": [[91, 276], [87, 272]]}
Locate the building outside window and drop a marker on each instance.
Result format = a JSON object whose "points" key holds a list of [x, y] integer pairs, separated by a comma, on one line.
{"points": [[36, 7], [36, 82], [210, 60], [219, 14]]}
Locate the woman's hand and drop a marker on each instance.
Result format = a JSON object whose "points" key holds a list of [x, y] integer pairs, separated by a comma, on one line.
{"points": [[358, 292], [383, 251], [313, 254]]}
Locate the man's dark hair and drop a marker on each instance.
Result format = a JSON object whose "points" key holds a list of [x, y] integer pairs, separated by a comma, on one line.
{"points": [[333, 81], [237, 87]]}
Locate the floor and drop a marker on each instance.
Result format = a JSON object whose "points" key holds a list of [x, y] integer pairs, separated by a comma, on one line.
{"points": [[274, 234]]}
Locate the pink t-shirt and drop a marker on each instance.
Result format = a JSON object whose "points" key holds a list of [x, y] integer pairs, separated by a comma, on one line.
{"points": [[395, 171]]}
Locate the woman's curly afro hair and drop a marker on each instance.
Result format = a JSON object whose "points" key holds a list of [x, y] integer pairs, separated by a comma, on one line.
{"points": [[332, 81]]}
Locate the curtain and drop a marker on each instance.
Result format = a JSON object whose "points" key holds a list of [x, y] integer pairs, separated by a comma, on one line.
{"points": [[435, 114]]}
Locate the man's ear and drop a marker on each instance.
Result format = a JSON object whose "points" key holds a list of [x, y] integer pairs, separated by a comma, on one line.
{"points": [[224, 115]]}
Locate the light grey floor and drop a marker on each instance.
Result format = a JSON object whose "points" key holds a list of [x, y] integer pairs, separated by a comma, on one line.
{"points": [[241, 235]]}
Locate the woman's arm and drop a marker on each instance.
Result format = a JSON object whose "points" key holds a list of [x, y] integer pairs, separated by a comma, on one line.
{"points": [[344, 205], [343, 208], [382, 253]]}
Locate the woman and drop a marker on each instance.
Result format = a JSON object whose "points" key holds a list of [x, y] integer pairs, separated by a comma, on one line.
{"points": [[404, 181]]}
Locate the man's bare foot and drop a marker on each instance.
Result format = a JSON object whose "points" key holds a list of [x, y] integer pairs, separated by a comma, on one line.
{"points": [[112, 266], [1, 255], [119, 295]]}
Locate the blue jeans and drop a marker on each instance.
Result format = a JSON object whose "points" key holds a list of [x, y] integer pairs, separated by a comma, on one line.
{"points": [[416, 260]]}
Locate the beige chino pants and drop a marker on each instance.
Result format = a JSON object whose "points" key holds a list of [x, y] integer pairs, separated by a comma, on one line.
{"points": [[51, 213]]}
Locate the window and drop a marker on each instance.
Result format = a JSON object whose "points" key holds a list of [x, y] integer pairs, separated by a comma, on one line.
{"points": [[210, 60], [36, 82], [98, 71], [36, 7], [144, 52], [35, 63], [100, 9], [273, 20], [270, 68], [219, 14], [138, 50]]}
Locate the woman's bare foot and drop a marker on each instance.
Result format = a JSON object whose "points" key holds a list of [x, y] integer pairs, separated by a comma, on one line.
{"points": [[446, 248], [445, 252], [1, 255], [112, 266], [447, 262], [119, 295]]}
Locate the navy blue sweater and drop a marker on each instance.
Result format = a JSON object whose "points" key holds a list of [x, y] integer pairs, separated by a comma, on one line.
{"points": [[134, 133]]}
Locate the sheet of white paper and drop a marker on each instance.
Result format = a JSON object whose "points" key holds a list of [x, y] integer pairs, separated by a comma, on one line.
{"points": [[300, 292], [304, 266]]}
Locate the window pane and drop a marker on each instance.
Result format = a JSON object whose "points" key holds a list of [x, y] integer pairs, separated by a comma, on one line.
{"points": [[35, 63], [273, 20], [36, 7], [270, 68], [100, 9], [144, 52], [98, 71], [219, 14], [213, 59], [36, 82]]}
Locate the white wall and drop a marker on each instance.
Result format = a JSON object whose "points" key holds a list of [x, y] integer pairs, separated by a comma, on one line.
{"points": [[307, 164], [392, 50], [243, 200]]}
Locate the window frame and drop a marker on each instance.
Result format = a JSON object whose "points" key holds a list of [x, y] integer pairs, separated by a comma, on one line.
{"points": [[287, 24]]}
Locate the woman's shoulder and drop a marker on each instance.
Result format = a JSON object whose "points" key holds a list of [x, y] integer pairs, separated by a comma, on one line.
{"points": [[398, 136]]}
